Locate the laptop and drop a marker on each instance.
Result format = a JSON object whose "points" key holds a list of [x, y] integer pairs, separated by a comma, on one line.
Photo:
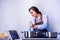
{"points": [[14, 34]]}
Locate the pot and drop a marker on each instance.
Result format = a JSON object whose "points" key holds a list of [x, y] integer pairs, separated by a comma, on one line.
{"points": [[30, 34]]}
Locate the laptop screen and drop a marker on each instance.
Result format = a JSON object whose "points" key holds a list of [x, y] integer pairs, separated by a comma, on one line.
{"points": [[14, 34]]}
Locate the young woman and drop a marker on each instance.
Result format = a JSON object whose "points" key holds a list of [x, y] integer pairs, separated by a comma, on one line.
{"points": [[39, 22]]}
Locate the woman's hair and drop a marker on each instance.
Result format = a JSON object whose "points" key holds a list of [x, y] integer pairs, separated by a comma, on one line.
{"points": [[35, 9]]}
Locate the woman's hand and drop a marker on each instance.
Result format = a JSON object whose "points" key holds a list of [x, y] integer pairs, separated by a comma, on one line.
{"points": [[35, 26], [30, 24]]}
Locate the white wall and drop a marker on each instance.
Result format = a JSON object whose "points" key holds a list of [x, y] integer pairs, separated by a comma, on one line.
{"points": [[14, 13]]}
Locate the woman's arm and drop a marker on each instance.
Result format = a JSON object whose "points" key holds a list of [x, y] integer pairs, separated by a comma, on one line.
{"points": [[45, 23]]}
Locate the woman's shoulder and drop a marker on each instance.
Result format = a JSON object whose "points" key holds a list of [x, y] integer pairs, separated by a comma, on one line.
{"points": [[44, 15]]}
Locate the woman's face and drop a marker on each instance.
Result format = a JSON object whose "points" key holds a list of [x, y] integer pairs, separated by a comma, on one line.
{"points": [[33, 13]]}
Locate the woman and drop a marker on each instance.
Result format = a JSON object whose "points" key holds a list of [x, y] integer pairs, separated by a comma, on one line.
{"points": [[39, 22]]}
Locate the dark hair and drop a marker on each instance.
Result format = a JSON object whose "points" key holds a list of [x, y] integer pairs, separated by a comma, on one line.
{"points": [[35, 9]]}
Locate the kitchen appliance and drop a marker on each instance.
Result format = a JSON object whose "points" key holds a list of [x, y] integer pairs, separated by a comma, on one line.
{"points": [[30, 34], [52, 34], [34, 34]]}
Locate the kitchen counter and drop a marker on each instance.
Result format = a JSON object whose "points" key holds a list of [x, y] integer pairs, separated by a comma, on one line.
{"points": [[5, 38], [41, 39]]}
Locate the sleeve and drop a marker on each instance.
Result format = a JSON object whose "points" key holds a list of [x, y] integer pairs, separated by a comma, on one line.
{"points": [[45, 21]]}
